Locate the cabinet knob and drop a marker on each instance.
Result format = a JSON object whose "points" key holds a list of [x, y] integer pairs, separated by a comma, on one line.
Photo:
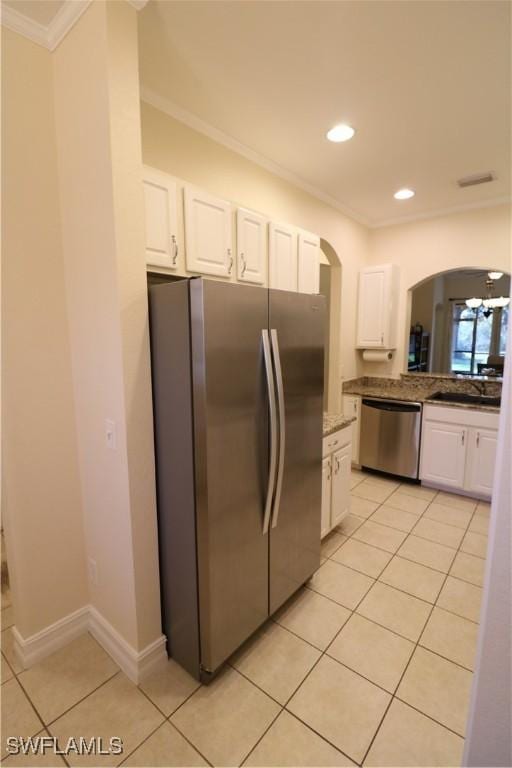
{"points": [[477, 439], [462, 438], [230, 261]]}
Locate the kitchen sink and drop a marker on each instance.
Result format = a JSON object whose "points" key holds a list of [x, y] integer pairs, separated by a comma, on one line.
{"points": [[463, 397]]}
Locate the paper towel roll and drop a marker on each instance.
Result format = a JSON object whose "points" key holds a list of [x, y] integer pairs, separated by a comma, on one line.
{"points": [[377, 355]]}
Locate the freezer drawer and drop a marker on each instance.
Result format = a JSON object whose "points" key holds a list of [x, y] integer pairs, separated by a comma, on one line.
{"points": [[390, 436]]}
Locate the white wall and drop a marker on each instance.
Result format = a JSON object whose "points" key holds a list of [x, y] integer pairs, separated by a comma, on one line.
{"points": [[99, 157], [478, 238], [42, 506], [175, 148], [488, 733]]}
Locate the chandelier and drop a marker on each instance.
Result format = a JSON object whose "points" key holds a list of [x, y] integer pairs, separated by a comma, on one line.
{"points": [[490, 302]]}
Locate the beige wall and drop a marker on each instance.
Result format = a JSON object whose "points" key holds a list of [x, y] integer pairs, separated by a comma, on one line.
{"points": [[477, 238], [42, 509], [175, 148], [99, 156]]}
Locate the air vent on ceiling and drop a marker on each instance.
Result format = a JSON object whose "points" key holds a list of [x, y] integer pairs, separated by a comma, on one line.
{"points": [[477, 178]]}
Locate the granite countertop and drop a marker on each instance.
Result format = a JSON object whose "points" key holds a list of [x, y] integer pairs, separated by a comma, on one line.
{"points": [[420, 388], [335, 421]]}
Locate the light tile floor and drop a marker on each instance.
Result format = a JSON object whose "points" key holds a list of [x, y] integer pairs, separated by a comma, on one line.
{"points": [[370, 664]]}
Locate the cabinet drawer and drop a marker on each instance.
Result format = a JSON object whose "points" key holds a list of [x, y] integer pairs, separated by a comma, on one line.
{"points": [[336, 440], [467, 417]]}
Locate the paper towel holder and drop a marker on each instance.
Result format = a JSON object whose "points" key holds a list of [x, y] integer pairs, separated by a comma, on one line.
{"points": [[378, 355]]}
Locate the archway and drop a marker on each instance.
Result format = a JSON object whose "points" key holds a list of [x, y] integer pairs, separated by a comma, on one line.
{"points": [[438, 320]]}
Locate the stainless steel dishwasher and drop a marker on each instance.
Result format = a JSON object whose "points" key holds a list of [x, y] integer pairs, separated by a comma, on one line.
{"points": [[390, 436]]}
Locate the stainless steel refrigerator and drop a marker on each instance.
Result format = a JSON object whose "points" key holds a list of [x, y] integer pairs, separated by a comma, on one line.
{"points": [[237, 393]]}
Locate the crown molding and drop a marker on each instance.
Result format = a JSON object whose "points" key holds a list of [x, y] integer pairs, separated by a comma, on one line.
{"points": [[197, 124], [50, 36], [439, 213], [64, 20], [18, 22]]}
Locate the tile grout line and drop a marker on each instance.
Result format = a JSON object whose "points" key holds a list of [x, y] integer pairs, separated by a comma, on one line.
{"points": [[399, 589], [322, 652], [417, 644], [167, 719]]}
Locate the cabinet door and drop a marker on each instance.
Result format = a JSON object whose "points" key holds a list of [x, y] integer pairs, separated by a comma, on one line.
{"points": [[161, 216], [251, 246], [282, 257], [326, 496], [352, 407], [308, 278], [340, 499], [207, 234], [370, 312], [481, 460], [377, 307], [443, 453]]}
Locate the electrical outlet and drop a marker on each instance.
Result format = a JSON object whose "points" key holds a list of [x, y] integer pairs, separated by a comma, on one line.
{"points": [[93, 572], [110, 434]]}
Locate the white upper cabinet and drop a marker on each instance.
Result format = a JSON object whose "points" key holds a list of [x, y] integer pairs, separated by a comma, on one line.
{"points": [[161, 216], [309, 263], [377, 307], [208, 234], [251, 246], [282, 257]]}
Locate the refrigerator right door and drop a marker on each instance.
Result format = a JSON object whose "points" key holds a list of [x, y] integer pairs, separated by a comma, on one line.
{"points": [[296, 324]]}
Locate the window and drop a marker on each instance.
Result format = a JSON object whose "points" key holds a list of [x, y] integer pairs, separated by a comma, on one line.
{"points": [[475, 336]]}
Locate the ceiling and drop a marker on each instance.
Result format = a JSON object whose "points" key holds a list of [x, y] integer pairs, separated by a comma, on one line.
{"points": [[425, 84], [41, 11]]}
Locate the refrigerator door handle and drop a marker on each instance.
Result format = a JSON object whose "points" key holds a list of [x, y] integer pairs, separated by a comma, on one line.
{"points": [[267, 356], [282, 424]]}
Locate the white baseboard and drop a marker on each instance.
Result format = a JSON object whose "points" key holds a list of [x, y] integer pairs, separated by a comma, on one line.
{"points": [[31, 649], [135, 664]]}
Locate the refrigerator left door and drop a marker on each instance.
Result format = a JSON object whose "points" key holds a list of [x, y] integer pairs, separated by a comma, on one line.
{"points": [[231, 434]]}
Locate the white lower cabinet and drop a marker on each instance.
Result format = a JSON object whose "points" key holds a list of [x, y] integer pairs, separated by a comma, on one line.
{"points": [[481, 460], [336, 467], [443, 453], [340, 495], [458, 449], [352, 408], [326, 495]]}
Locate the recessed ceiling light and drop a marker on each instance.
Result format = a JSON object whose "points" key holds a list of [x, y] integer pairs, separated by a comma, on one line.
{"points": [[495, 275], [341, 132], [404, 194]]}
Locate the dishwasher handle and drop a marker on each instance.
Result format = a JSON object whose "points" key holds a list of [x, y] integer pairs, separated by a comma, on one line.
{"points": [[397, 406]]}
